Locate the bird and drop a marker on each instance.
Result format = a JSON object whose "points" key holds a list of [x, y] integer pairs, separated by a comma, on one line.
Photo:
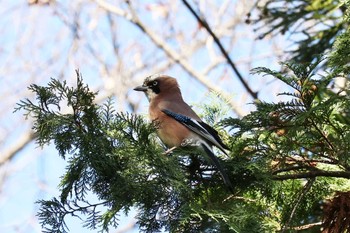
{"points": [[177, 124]]}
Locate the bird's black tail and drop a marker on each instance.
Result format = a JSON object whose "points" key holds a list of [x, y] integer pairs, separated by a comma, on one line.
{"points": [[218, 166]]}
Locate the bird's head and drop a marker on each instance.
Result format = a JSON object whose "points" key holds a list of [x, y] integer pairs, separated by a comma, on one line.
{"points": [[158, 85]]}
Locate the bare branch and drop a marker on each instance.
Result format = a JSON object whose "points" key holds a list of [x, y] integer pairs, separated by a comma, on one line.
{"points": [[170, 52], [24, 140], [305, 227], [128, 227], [300, 164], [204, 23]]}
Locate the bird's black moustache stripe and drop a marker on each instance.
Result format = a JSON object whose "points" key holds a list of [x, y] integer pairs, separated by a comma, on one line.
{"points": [[155, 89]]}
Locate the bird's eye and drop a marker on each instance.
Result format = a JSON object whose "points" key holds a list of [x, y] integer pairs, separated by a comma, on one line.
{"points": [[154, 83]]}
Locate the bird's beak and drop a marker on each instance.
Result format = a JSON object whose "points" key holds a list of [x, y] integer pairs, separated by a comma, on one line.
{"points": [[140, 88]]}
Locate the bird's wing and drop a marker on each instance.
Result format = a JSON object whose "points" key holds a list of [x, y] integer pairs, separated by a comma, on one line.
{"points": [[200, 128]]}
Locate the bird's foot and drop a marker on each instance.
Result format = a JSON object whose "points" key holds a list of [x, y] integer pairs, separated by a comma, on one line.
{"points": [[169, 150]]}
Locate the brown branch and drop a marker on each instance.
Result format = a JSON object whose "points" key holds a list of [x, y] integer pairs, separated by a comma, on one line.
{"points": [[313, 174], [323, 135], [204, 23], [128, 227], [299, 164], [24, 140], [305, 227]]}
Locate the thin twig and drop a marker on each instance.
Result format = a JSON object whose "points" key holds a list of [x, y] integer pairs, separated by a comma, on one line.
{"points": [[313, 174], [322, 134], [305, 227], [204, 23], [306, 188]]}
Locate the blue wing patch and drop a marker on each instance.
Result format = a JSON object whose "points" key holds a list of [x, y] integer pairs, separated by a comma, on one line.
{"points": [[180, 118], [202, 129]]}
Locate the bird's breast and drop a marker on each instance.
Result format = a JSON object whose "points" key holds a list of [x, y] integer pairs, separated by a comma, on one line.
{"points": [[171, 132]]}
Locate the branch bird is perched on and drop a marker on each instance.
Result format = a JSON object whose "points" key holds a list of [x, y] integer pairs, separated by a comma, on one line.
{"points": [[179, 125]]}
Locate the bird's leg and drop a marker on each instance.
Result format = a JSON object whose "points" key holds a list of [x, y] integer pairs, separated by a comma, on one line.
{"points": [[169, 150]]}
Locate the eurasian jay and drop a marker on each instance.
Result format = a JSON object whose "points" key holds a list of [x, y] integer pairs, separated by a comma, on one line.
{"points": [[178, 124]]}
